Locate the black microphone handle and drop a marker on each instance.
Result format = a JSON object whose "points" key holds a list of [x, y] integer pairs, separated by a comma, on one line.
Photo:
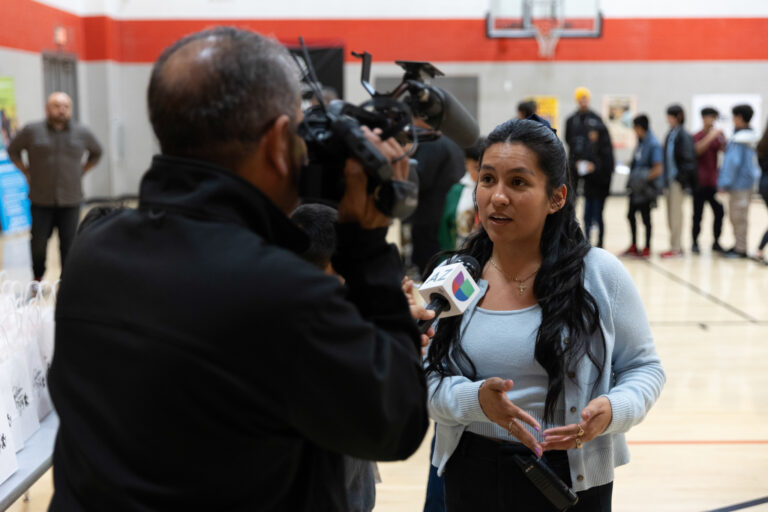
{"points": [[438, 304]]}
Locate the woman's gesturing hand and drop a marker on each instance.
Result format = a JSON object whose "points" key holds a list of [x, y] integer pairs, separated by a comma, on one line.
{"points": [[596, 417], [500, 410]]}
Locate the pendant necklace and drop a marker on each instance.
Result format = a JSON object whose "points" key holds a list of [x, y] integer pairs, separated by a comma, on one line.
{"points": [[520, 282]]}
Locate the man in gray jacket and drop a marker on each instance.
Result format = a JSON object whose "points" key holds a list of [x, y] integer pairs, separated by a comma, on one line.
{"points": [[54, 169]]}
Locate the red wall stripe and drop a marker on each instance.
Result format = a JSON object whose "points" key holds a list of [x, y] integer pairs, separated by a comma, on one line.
{"points": [[30, 27], [27, 25]]}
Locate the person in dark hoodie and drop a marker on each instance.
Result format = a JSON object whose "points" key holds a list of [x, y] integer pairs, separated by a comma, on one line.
{"points": [[590, 158], [737, 177], [201, 363]]}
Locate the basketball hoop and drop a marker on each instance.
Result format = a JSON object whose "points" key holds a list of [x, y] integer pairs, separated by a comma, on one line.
{"points": [[547, 21], [547, 36]]}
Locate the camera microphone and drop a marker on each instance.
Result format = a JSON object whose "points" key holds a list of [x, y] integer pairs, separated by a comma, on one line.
{"points": [[450, 288], [445, 113]]}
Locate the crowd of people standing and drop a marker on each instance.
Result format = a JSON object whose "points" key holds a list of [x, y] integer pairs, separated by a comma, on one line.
{"points": [[713, 170], [688, 163]]}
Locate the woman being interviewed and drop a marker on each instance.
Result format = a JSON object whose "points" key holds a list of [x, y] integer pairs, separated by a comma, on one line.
{"points": [[560, 319]]}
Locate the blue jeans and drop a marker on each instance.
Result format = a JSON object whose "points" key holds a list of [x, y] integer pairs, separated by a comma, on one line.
{"points": [[435, 501], [593, 214]]}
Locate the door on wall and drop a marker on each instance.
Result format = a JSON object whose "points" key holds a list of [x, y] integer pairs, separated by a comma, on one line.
{"points": [[60, 75], [329, 66]]}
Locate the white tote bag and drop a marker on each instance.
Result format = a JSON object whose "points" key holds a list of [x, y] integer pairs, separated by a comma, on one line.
{"points": [[28, 337], [8, 462], [39, 376], [24, 407]]}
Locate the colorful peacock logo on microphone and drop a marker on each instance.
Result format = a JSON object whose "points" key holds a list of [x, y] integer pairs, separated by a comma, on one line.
{"points": [[462, 288]]}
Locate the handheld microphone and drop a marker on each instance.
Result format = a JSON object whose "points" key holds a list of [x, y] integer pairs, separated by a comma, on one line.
{"points": [[450, 288]]}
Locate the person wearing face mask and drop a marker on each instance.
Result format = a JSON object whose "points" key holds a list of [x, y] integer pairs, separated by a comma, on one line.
{"points": [[553, 359], [201, 363]]}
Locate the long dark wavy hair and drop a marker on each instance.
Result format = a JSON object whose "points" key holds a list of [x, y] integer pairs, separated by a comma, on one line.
{"points": [[566, 306]]}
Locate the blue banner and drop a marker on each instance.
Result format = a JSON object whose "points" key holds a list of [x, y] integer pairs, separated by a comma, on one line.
{"points": [[14, 200]]}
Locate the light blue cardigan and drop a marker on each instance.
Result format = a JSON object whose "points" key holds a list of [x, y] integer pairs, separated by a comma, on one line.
{"points": [[740, 169], [632, 378]]}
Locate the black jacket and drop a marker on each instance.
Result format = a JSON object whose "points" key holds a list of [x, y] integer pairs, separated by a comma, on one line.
{"points": [[202, 365], [597, 184], [440, 166], [685, 160]]}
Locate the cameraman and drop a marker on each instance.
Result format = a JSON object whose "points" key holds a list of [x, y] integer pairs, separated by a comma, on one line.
{"points": [[200, 362]]}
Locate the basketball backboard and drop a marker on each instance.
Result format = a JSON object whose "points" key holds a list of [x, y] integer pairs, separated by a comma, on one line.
{"points": [[544, 20]]}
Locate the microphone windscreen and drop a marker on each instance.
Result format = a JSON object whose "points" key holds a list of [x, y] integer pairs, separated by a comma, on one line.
{"points": [[457, 123], [470, 263]]}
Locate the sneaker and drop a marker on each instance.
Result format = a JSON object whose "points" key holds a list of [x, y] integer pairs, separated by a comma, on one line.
{"points": [[631, 252], [716, 247], [733, 254], [695, 248], [646, 253], [671, 254]]}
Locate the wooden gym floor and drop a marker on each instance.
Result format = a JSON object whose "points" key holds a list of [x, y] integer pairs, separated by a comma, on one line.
{"points": [[704, 446]]}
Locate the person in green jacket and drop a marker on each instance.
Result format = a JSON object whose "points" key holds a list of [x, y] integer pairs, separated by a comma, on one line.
{"points": [[459, 216]]}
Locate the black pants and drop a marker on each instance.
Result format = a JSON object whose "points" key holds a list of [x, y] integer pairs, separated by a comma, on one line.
{"points": [[481, 475], [764, 195], [706, 195], [645, 213], [44, 219]]}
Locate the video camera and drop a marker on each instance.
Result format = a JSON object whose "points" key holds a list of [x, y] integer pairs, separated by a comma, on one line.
{"points": [[333, 134]]}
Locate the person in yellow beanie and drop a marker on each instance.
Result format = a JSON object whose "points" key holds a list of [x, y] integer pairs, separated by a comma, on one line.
{"points": [[590, 160]]}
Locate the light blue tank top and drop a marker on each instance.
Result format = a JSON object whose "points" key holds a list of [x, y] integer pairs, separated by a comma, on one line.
{"points": [[502, 344]]}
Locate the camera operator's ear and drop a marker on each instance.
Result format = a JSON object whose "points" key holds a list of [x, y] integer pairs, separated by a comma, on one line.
{"points": [[276, 144]]}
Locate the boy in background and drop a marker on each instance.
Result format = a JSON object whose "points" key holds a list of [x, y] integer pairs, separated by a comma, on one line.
{"points": [[459, 216], [643, 184], [708, 143], [738, 175]]}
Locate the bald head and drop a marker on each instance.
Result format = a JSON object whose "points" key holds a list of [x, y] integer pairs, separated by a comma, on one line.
{"points": [[58, 109], [212, 94]]}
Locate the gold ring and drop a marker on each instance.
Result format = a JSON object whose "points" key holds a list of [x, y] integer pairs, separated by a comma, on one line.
{"points": [[580, 432], [509, 427], [578, 443]]}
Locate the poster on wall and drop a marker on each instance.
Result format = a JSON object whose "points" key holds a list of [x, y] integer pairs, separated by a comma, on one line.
{"points": [[723, 103], [14, 201], [547, 108], [8, 118], [618, 112]]}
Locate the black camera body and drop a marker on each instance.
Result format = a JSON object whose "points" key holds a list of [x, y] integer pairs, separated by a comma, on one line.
{"points": [[333, 133]]}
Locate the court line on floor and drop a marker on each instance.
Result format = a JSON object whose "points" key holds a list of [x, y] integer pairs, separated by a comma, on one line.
{"points": [[707, 295], [741, 506], [704, 324], [703, 441]]}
